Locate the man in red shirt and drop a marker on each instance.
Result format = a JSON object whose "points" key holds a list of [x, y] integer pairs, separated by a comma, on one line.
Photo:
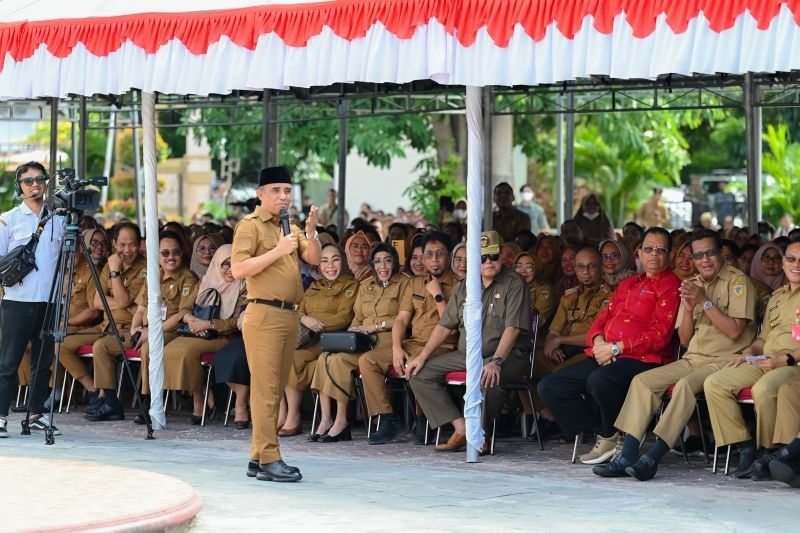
{"points": [[632, 335]]}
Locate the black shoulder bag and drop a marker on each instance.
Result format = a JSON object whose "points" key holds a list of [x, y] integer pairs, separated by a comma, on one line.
{"points": [[206, 307], [21, 261]]}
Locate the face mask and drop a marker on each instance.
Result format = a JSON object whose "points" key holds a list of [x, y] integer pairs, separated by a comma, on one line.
{"points": [[592, 216], [460, 214], [527, 196]]}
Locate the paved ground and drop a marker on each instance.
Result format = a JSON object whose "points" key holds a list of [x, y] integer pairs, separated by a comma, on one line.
{"points": [[356, 487]]}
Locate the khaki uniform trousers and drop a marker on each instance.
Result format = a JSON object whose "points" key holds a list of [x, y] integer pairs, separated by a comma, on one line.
{"points": [[726, 414], [144, 355], [787, 423], [429, 389], [105, 351], [646, 395], [304, 363], [270, 335], [374, 366], [182, 369], [69, 357], [333, 375]]}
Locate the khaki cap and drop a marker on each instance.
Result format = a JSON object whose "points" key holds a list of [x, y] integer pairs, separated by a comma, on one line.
{"points": [[490, 243]]}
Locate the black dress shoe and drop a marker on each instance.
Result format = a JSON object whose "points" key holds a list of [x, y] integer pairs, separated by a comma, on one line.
{"points": [[389, 430], [197, 420], [241, 424], [786, 471], [644, 469], [278, 471], [747, 457], [20, 409], [111, 409], [761, 465], [343, 435], [616, 468], [253, 468], [314, 437], [420, 429]]}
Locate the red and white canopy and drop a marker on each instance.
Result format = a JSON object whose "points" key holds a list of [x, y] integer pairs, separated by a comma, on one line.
{"points": [[56, 47]]}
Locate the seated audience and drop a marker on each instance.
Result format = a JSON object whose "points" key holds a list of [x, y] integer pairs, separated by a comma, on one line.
{"points": [[616, 263], [458, 264]]}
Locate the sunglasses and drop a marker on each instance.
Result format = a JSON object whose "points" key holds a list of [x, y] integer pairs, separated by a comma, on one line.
{"points": [[490, 257], [168, 253], [30, 181], [206, 250], [711, 252], [611, 257], [791, 260], [94, 243], [650, 250]]}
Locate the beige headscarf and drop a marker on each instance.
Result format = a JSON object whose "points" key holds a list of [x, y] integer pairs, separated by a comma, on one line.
{"points": [[195, 265], [364, 271], [215, 279], [87, 241]]}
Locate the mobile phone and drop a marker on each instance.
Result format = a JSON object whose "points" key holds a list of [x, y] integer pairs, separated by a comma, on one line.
{"points": [[754, 358], [135, 338], [400, 246]]}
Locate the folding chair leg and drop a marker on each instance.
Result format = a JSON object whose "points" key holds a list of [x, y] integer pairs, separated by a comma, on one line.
{"points": [[575, 448], [438, 432], [702, 434], [25, 397], [494, 431], [228, 408], [714, 465], [205, 399], [63, 392], [316, 410], [536, 421], [71, 390], [19, 394], [427, 428], [683, 451], [728, 460]]}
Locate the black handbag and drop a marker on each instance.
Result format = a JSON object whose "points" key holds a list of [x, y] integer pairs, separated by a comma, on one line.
{"points": [[21, 261], [206, 307], [347, 342]]}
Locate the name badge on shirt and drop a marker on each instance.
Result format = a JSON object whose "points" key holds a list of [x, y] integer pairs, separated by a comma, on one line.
{"points": [[163, 312]]}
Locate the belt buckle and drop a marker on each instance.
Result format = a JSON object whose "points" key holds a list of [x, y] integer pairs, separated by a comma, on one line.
{"points": [[295, 307]]}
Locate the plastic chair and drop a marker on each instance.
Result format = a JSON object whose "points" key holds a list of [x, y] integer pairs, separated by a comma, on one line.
{"points": [[743, 397]]}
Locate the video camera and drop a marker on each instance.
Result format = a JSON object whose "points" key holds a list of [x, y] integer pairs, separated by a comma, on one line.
{"points": [[73, 196]]}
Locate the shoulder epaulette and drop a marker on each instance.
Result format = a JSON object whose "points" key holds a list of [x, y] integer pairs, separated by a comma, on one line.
{"points": [[570, 292], [780, 290]]}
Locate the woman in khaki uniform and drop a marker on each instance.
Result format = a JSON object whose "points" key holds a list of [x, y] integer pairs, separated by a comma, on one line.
{"points": [[375, 308], [543, 297], [356, 248], [327, 306], [182, 370]]}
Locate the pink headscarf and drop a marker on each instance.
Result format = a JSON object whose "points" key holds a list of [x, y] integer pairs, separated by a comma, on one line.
{"points": [[756, 272], [215, 279]]}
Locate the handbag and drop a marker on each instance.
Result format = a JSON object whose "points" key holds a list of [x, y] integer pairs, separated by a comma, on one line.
{"points": [[347, 342], [21, 261], [206, 307], [305, 336]]}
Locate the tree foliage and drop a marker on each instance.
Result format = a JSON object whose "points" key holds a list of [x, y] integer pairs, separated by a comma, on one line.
{"points": [[782, 162], [435, 181]]}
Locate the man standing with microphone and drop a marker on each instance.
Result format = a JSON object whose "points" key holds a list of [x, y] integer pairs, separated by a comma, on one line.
{"points": [[267, 252]]}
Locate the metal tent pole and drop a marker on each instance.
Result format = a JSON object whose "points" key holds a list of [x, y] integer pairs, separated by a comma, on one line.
{"points": [[84, 130], [51, 185], [137, 165], [342, 164], [753, 129], [559, 185], [486, 141], [569, 157]]}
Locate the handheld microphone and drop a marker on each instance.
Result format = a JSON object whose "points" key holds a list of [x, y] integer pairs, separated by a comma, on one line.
{"points": [[284, 215]]}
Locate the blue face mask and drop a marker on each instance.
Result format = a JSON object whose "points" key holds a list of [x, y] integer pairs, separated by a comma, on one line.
{"points": [[765, 236]]}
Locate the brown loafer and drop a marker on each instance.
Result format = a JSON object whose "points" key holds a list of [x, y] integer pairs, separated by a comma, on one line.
{"points": [[291, 432], [457, 442]]}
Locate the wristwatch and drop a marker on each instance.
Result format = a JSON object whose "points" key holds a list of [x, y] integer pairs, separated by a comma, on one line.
{"points": [[790, 360], [113, 274], [315, 237], [439, 298], [497, 360], [708, 304], [614, 350]]}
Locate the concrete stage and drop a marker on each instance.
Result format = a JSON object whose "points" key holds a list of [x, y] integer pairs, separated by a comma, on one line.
{"points": [[61, 495]]}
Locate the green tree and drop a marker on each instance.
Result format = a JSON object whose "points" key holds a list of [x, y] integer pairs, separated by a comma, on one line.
{"points": [[782, 162], [435, 181]]}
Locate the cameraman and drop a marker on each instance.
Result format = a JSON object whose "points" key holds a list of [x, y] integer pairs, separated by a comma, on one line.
{"points": [[23, 307]]}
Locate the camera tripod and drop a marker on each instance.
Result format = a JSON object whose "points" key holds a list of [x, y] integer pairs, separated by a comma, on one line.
{"points": [[57, 315]]}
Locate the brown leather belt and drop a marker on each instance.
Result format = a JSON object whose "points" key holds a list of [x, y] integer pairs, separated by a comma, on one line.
{"points": [[276, 303]]}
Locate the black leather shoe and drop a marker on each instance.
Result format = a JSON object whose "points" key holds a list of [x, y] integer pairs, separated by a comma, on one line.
{"points": [[253, 468], [278, 471], [761, 465], [111, 409], [747, 458], [644, 469], [196, 420], [343, 435], [389, 430], [241, 424], [616, 468], [786, 471], [420, 429]]}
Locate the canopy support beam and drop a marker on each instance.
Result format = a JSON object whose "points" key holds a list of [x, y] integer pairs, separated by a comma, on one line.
{"points": [[486, 140], [82, 139], [569, 158], [51, 185], [341, 210], [753, 129]]}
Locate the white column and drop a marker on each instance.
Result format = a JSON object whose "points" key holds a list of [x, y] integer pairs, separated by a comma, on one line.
{"points": [[155, 338], [473, 398]]}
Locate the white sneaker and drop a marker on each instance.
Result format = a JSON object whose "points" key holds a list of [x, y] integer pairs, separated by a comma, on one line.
{"points": [[604, 449], [3, 430], [42, 423]]}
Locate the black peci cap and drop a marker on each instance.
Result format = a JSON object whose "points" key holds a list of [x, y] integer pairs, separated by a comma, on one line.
{"points": [[271, 175]]}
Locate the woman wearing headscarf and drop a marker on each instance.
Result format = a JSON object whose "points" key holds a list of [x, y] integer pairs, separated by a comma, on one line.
{"points": [[544, 298], [327, 306], [592, 220], [357, 248], [767, 274], [548, 250], [182, 369], [615, 262], [203, 252], [375, 309], [458, 264]]}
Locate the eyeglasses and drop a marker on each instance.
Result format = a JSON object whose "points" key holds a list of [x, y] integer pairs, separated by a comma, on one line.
{"points": [[587, 268], [526, 268], [770, 258], [225, 265], [458, 259], [168, 253], [383, 262], [436, 254], [650, 250], [206, 249], [30, 181], [790, 259], [711, 252], [613, 256], [94, 243], [490, 257]]}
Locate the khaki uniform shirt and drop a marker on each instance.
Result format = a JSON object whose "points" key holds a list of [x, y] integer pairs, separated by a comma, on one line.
{"points": [[133, 278], [422, 306], [653, 214], [506, 303], [178, 293], [507, 224], [578, 308], [331, 303], [763, 294], [83, 290], [257, 234], [226, 326], [376, 304], [778, 321], [734, 294], [543, 299]]}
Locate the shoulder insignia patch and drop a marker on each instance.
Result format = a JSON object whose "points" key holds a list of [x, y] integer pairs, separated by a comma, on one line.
{"points": [[349, 293], [738, 288], [545, 294], [143, 274], [571, 291], [185, 291]]}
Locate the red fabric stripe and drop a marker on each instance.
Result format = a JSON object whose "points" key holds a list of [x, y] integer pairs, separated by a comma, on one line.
{"points": [[351, 19]]}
